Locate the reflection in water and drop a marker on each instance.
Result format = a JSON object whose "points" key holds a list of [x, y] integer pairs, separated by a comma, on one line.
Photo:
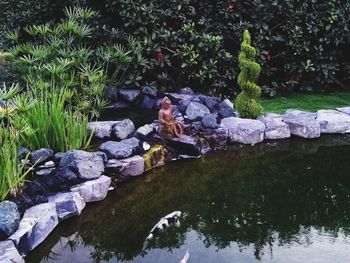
{"points": [[275, 202]]}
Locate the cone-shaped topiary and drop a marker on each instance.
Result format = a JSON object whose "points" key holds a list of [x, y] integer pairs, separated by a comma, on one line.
{"points": [[246, 102]]}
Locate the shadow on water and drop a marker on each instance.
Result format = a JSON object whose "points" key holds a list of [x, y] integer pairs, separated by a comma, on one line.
{"points": [[285, 201]]}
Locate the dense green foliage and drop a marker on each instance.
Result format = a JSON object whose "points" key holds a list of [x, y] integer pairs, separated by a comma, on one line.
{"points": [[12, 173], [303, 45], [310, 102], [246, 102]]}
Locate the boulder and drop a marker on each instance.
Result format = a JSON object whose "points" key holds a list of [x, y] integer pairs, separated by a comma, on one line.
{"points": [[149, 91], [302, 124], [176, 97], [177, 114], [332, 121], [118, 105], [146, 102], [44, 172], [116, 150], [209, 121], [344, 110], [226, 110], [87, 165], [244, 131], [196, 111], [275, 127], [40, 156], [186, 91], [9, 253], [9, 219], [145, 131], [67, 204], [211, 102], [123, 129], [94, 190], [185, 144], [132, 166], [37, 223], [156, 156], [128, 95], [101, 129], [217, 138], [22, 152]]}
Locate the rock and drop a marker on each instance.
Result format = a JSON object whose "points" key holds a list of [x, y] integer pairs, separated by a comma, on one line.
{"points": [[217, 138], [40, 156], [37, 223], [117, 150], [244, 131], [332, 121], [87, 165], [344, 110], [146, 102], [44, 172], [22, 152], [101, 129], [132, 166], [94, 190], [226, 110], [149, 91], [128, 95], [155, 157], [176, 97], [9, 253], [185, 144], [186, 91], [183, 104], [145, 131], [275, 127], [196, 111], [111, 93], [9, 219], [210, 102], [58, 156], [302, 124], [118, 105], [123, 129], [67, 204], [209, 121], [177, 115]]}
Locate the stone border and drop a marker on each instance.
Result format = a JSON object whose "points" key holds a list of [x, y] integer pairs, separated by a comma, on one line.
{"points": [[67, 181]]}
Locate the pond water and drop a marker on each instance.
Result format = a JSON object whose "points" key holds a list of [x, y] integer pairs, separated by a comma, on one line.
{"points": [[275, 202]]}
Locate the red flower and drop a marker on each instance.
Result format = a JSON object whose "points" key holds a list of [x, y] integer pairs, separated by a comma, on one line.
{"points": [[230, 6], [159, 56]]}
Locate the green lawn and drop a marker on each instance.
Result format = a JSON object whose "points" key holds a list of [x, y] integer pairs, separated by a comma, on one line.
{"points": [[306, 102]]}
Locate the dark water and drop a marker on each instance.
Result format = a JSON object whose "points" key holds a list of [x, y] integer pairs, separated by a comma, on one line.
{"points": [[275, 202]]}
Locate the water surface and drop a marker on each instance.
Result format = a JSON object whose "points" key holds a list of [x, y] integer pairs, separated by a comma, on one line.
{"points": [[276, 202]]}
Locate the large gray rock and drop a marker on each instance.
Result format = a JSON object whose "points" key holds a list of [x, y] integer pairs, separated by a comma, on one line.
{"points": [[176, 97], [37, 223], [9, 219], [209, 121], [244, 131], [275, 127], [67, 204], [226, 110], [40, 156], [101, 129], [86, 165], [9, 253], [196, 111], [332, 121], [144, 131], [132, 166], [123, 129], [344, 110], [128, 95], [302, 124], [94, 190], [189, 145], [122, 149]]}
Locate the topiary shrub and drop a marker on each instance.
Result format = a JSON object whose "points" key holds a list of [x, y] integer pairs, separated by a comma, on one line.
{"points": [[246, 101]]}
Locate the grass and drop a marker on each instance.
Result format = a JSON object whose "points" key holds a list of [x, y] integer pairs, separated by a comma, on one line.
{"points": [[306, 102]]}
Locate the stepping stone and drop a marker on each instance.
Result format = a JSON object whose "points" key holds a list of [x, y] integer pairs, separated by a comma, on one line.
{"points": [[67, 204], [9, 253], [332, 121], [275, 127]]}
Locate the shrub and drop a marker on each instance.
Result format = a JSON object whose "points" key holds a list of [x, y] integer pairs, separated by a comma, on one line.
{"points": [[246, 102], [302, 44]]}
